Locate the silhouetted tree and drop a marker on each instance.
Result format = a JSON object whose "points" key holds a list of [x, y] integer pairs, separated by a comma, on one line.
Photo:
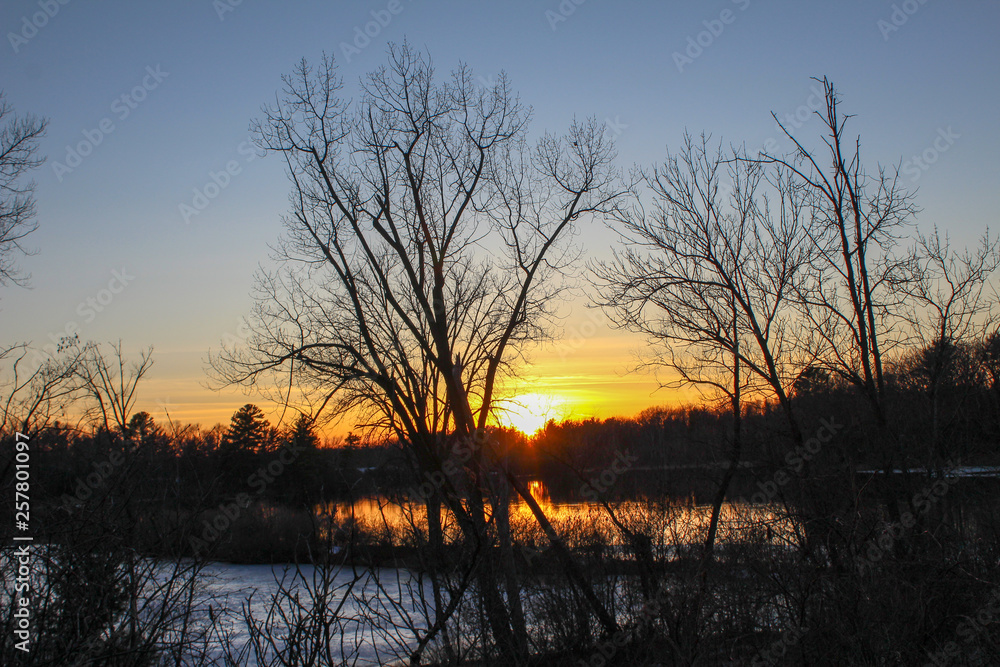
{"points": [[111, 383], [849, 292], [19, 137], [141, 426], [249, 430], [708, 278], [812, 380], [990, 354], [949, 309], [33, 393], [303, 433], [387, 304]]}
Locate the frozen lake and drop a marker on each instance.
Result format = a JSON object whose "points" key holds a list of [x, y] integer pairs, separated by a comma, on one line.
{"points": [[372, 615]]}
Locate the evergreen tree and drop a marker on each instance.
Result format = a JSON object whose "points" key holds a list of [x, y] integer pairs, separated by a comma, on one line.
{"points": [[302, 434], [141, 427], [248, 431]]}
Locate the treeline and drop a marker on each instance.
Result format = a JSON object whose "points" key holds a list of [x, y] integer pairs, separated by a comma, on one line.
{"points": [[943, 404], [190, 470], [175, 480]]}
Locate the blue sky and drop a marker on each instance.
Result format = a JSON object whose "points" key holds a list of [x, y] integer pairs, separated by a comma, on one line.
{"points": [[194, 73]]}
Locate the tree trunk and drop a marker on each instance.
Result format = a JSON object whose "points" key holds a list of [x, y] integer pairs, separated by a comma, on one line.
{"points": [[501, 511]]}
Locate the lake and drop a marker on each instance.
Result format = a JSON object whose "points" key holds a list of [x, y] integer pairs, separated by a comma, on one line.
{"points": [[667, 521]]}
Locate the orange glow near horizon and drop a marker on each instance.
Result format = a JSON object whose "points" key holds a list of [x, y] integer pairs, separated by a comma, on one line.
{"points": [[572, 378], [529, 412]]}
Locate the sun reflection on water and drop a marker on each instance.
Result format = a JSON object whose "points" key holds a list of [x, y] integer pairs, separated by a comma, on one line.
{"points": [[538, 491], [668, 521]]}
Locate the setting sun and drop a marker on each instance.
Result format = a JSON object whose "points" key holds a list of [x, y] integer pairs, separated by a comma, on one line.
{"points": [[529, 413]]}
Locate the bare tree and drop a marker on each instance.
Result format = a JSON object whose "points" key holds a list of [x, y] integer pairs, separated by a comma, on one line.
{"points": [[850, 295], [947, 290], [424, 247], [19, 136], [708, 273], [111, 383], [98, 599], [34, 394], [948, 307], [707, 276], [31, 392]]}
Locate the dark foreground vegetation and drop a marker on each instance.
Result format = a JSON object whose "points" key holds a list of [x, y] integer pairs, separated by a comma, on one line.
{"points": [[847, 565]]}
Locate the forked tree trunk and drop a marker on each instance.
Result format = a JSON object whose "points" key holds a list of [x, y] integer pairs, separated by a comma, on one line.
{"points": [[438, 569], [734, 458], [501, 511]]}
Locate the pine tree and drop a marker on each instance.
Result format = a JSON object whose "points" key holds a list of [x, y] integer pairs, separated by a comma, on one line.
{"points": [[249, 430], [302, 434]]}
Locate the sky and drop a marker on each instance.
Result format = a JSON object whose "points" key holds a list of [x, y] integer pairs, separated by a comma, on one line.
{"points": [[147, 101]]}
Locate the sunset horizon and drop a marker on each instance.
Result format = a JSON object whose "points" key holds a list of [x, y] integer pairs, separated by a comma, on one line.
{"points": [[557, 388]]}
